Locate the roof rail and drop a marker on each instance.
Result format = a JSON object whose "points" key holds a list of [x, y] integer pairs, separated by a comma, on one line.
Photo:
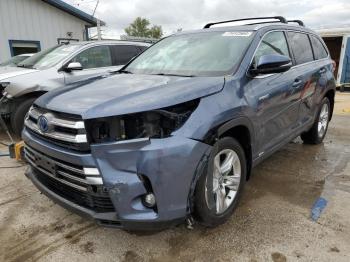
{"points": [[301, 23], [280, 18]]}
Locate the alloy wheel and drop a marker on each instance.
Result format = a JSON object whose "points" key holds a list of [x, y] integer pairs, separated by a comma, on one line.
{"points": [[323, 120], [225, 180]]}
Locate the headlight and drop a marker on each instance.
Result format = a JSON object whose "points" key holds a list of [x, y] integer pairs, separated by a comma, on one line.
{"points": [[158, 123]]}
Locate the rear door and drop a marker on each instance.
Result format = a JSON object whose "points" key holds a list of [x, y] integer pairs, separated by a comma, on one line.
{"points": [[96, 60], [311, 74], [274, 96]]}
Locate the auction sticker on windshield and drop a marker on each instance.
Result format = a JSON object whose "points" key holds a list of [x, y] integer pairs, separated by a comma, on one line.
{"points": [[244, 34]]}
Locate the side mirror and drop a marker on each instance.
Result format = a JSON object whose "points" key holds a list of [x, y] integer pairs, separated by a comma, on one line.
{"points": [[73, 66], [269, 64]]}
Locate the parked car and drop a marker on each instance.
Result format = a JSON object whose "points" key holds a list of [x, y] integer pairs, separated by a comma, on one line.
{"points": [[14, 61], [58, 66], [175, 134]]}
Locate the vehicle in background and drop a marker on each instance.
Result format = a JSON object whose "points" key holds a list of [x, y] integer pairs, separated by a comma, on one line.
{"points": [[13, 61], [60, 65], [175, 133], [338, 43]]}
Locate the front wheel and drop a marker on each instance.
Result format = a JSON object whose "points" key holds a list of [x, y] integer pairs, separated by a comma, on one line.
{"points": [[218, 190], [319, 129]]}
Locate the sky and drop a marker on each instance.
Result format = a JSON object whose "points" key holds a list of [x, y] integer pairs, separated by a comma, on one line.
{"points": [[194, 14]]}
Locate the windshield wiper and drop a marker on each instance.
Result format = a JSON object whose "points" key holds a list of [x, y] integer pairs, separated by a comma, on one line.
{"points": [[124, 72], [25, 66], [162, 74]]}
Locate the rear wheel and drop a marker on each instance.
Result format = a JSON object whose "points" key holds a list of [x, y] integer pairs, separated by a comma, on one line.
{"points": [[18, 115], [319, 129], [219, 188]]}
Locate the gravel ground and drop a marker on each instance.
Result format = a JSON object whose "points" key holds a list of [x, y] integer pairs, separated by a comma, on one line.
{"points": [[272, 222]]}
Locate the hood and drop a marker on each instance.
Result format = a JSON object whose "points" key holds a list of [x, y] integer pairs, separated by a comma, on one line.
{"points": [[33, 80], [8, 72], [128, 93]]}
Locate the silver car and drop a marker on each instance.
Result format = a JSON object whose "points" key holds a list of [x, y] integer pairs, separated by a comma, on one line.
{"points": [[58, 66]]}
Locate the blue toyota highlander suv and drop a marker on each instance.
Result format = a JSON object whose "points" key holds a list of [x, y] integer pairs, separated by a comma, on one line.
{"points": [[173, 136]]}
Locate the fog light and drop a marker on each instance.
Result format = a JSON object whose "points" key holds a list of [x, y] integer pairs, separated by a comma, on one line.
{"points": [[149, 200]]}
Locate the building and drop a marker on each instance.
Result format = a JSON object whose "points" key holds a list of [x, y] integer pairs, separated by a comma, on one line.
{"points": [[28, 26], [338, 43]]}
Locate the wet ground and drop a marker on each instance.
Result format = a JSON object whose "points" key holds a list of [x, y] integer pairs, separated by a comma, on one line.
{"points": [[272, 222]]}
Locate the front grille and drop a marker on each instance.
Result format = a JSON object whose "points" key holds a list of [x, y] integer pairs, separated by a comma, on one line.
{"points": [[95, 202], [84, 148], [64, 130], [72, 182]]}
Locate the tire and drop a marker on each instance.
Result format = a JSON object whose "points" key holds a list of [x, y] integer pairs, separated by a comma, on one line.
{"points": [[319, 129], [207, 208], [18, 115]]}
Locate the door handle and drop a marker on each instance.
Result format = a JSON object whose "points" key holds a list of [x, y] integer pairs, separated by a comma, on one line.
{"points": [[297, 82], [322, 70], [264, 97]]}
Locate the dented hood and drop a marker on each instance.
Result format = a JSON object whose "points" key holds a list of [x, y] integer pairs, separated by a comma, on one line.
{"points": [[127, 93]]}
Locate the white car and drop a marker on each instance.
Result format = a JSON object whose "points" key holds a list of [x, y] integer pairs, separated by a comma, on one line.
{"points": [[56, 67]]}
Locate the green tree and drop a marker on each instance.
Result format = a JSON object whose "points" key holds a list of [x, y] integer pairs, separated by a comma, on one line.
{"points": [[140, 28], [156, 31]]}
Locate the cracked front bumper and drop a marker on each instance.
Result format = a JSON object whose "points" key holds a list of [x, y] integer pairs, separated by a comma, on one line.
{"points": [[169, 164]]}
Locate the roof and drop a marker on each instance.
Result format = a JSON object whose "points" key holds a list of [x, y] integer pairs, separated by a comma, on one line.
{"points": [[251, 27], [74, 11], [102, 42]]}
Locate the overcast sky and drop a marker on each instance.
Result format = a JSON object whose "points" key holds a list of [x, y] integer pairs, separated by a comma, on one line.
{"points": [[193, 14]]}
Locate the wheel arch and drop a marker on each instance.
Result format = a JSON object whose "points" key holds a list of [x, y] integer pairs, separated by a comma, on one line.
{"points": [[242, 130], [239, 128], [30, 95]]}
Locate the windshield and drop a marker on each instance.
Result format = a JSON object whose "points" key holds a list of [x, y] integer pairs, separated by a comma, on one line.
{"points": [[49, 57], [198, 54], [14, 60]]}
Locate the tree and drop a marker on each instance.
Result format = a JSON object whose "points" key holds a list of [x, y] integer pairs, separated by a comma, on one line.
{"points": [[156, 31], [140, 28]]}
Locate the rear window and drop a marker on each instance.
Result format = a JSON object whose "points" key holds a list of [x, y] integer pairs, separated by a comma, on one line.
{"points": [[122, 54], [319, 49], [301, 47]]}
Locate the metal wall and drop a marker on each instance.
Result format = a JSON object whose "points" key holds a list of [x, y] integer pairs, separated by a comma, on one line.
{"points": [[35, 20]]}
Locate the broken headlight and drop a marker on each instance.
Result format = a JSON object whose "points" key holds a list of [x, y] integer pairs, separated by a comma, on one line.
{"points": [[159, 123]]}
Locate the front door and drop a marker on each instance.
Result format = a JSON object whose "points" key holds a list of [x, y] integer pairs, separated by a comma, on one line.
{"points": [[275, 97], [95, 61]]}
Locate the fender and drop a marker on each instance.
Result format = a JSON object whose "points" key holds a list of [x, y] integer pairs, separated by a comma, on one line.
{"points": [[239, 121]]}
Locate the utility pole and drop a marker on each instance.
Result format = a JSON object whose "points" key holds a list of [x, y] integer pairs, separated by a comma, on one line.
{"points": [[98, 22], [99, 30]]}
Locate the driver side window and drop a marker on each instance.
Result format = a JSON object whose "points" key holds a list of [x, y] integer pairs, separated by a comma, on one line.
{"points": [[273, 43], [94, 57]]}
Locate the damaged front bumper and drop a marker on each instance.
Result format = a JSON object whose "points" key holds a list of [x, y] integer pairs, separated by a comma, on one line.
{"points": [[167, 167]]}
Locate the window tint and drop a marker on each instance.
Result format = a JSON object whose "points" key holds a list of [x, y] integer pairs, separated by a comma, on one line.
{"points": [[319, 50], [94, 57], [123, 54], [301, 47], [272, 43]]}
